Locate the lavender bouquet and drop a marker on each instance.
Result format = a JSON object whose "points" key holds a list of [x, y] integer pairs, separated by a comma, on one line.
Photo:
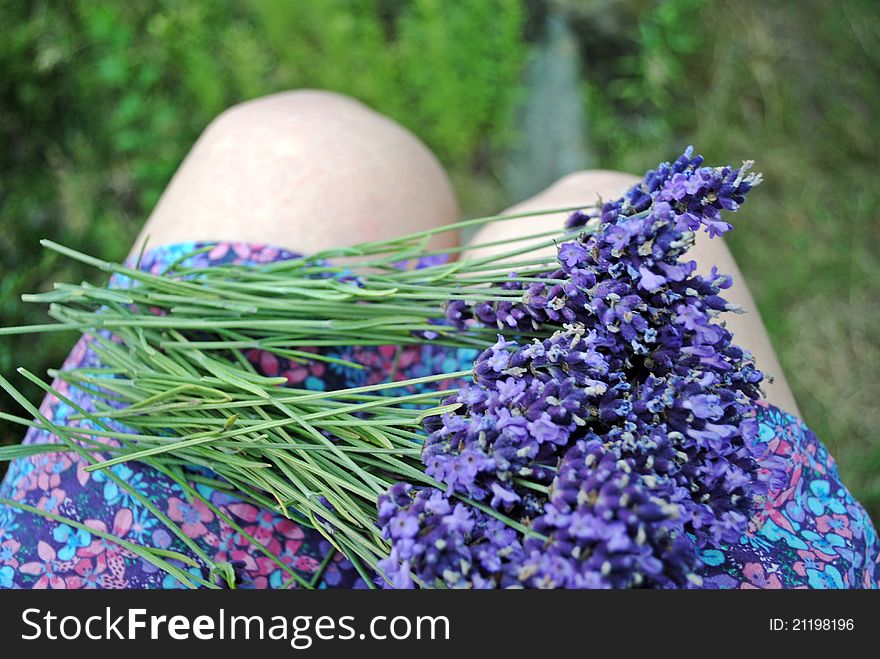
{"points": [[601, 438], [621, 441]]}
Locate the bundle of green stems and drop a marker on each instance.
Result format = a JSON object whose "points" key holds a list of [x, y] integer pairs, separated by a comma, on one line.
{"points": [[176, 391]]}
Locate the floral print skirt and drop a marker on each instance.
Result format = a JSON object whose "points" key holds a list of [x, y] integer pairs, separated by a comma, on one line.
{"points": [[807, 532]]}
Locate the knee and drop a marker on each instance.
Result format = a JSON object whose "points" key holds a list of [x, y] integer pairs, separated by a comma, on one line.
{"points": [[294, 103], [604, 183], [324, 129], [296, 151], [301, 116]]}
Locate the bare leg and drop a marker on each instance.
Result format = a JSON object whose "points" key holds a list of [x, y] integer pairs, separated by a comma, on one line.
{"points": [[584, 188], [306, 170]]}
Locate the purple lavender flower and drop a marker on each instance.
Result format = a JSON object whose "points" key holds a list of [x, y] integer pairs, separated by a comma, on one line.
{"points": [[459, 547], [609, 526], [622, 438]]}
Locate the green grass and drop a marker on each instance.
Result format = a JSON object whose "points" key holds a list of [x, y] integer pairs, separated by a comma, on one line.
{"points": [[811, 250], [101, 103]]}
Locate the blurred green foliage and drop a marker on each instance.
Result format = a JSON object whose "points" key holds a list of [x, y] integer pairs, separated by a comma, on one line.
{"points": [[99, 103]]}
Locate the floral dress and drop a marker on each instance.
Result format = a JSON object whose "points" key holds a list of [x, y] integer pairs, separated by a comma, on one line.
{"points": [[807, 532]]}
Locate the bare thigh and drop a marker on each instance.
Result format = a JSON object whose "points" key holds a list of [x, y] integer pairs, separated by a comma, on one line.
{"points": [[584, 188], [306, 170]]}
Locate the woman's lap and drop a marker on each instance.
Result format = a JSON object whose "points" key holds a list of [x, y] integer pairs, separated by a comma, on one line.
{"points": [[807, 532]]}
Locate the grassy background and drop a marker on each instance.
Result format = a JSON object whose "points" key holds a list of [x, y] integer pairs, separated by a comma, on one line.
{"points": [[99, 103]]}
